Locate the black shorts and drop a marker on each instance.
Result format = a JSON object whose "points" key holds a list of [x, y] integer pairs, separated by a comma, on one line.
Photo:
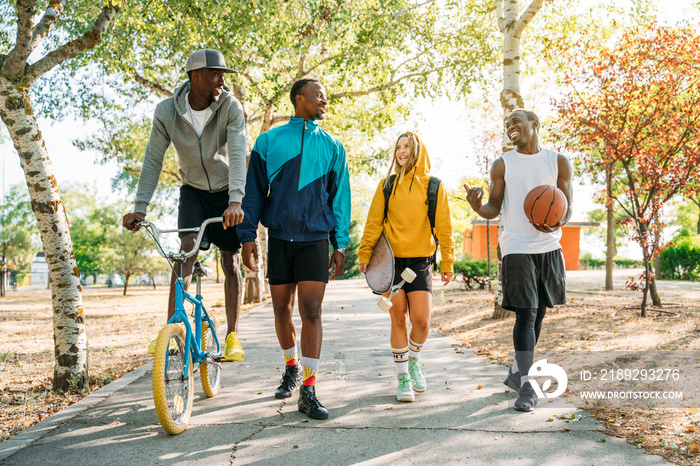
{"points": [[529, 280], [421, 266], [297, 261], [196, 206]]}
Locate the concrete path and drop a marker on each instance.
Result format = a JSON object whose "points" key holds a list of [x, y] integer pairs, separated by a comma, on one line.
{"points": [[453, 422]]}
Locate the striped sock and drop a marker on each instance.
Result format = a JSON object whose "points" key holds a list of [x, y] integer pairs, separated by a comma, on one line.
{"points": [[414, 348], [290, 356], [401, 359], [310, 366]]}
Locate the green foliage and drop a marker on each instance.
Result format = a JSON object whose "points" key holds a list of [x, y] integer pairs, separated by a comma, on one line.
{"points": [[589, 263], [18, 230], [681, 261], [685, 214], [351, 269], [100, 244], [477, 268], [373, 56]]}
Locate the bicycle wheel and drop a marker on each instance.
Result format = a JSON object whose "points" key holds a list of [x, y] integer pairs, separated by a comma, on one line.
{"points": [[172, 387], [209, 373]]}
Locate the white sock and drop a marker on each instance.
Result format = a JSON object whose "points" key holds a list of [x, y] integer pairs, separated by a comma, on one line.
{"points": [[414, 349], [401, 359], [290, 354], [310, 366]]}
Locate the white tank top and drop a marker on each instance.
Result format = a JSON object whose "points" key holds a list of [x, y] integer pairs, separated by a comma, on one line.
{"points": [[524, 172]]}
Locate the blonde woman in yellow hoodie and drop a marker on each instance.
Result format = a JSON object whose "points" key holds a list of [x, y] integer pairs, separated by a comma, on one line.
{"points": [[407, 228]]}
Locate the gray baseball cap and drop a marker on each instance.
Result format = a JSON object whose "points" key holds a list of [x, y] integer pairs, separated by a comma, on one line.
{"points": [[207, 58]]}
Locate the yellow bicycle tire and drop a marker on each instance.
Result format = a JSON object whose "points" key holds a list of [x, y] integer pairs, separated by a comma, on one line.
{"points": [[170, 351], [209, 374]]}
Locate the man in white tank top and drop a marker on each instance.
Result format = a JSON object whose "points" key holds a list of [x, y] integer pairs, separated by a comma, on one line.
{"points": [[532, 272]]}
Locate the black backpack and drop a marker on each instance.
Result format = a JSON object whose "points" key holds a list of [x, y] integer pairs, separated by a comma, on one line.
{"points": [[431, 201]]}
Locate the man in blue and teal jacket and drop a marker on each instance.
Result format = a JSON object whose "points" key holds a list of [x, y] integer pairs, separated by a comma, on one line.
{"points": [[298, 186]]}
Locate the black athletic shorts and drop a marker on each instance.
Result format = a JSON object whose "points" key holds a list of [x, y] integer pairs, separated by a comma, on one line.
{"points": [[196, 206], [421, 266], [296, 261], [531, 279]]}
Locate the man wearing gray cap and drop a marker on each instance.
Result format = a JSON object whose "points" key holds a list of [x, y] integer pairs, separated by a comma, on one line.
{"points": [[205, 124]]}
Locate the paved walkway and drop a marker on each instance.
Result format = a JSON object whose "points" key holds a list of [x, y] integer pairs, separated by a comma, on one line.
{"points": [[453, 422]]}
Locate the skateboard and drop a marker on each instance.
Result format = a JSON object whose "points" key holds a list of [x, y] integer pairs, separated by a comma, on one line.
{"points": [[408, 276], [380, 269], [380, 273]]}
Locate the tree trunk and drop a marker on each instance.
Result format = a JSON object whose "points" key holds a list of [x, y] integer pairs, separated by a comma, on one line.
{"points": [[70, 341], [647, 269], [655, 298], [488, 250], [126, 283], [216, 261], [254, 281], [498, 311], [610, 248], [3, 273], [511, 26]]}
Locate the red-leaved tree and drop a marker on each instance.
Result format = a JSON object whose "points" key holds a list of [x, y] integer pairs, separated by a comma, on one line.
{"points": [[632, 109]]}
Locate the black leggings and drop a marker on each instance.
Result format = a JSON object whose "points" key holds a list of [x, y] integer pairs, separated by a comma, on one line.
{"points": [[526, 332], [528, 324]]}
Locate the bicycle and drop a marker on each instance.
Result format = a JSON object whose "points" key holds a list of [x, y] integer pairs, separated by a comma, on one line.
{"points": [[178, 347]]}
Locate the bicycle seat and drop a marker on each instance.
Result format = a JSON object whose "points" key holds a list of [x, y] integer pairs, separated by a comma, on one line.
{"points": [[201, 270]]}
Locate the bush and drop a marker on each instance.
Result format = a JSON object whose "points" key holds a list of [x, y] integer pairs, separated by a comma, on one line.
{"points": [[475, 273], [588, 263], [682, 260], [628, 263]]}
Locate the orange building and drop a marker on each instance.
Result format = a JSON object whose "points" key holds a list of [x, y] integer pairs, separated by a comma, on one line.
{"points": [[474, 241]]}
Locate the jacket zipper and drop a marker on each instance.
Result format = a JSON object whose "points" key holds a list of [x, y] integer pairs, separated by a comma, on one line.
{"points": [[201, 158], [296, 193]]}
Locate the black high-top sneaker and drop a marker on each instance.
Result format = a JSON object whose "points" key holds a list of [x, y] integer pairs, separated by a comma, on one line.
{"points": [[527, 399], [309, 404], [290, 380], [513, 380]]}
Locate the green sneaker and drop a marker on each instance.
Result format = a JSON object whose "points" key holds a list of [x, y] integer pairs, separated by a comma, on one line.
{"points": [[416, 375], [405, 390]]}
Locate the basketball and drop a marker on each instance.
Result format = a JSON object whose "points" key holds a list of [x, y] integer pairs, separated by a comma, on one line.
{"points": [[545, 205]]}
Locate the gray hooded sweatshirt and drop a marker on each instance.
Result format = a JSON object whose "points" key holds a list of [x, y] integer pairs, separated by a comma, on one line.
{"points": [[214, 162]]}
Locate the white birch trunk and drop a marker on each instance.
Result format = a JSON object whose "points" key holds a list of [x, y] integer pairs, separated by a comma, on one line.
{"points": [[16, 77], [511, 26], [68, 320]]}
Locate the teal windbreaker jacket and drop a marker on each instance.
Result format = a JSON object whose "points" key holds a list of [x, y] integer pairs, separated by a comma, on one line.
{"points": [[297, 186]]}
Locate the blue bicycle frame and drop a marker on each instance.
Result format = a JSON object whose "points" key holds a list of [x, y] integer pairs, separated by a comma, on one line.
{"points": [[192, 340]]}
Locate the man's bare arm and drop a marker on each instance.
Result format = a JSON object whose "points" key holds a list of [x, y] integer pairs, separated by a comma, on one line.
{"points": [[492, 208]]}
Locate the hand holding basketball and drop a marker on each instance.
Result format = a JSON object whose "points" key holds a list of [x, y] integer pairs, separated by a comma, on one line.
{"points": [[545, 206]]}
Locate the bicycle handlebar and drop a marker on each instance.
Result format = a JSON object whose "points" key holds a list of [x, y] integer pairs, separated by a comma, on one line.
{"points": [[182, 255]]}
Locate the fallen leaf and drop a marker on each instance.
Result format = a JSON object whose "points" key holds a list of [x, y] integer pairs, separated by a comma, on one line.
{"points": [[694, 448], [690, 429], [479, 387], [550, 420]]}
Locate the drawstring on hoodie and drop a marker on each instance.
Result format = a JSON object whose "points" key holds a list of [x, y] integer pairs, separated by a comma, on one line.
{"points": [[396, 183], [413, 177]]}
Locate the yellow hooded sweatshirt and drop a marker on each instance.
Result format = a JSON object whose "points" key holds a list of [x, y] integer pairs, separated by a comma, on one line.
{"points": [[407, 226]]}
